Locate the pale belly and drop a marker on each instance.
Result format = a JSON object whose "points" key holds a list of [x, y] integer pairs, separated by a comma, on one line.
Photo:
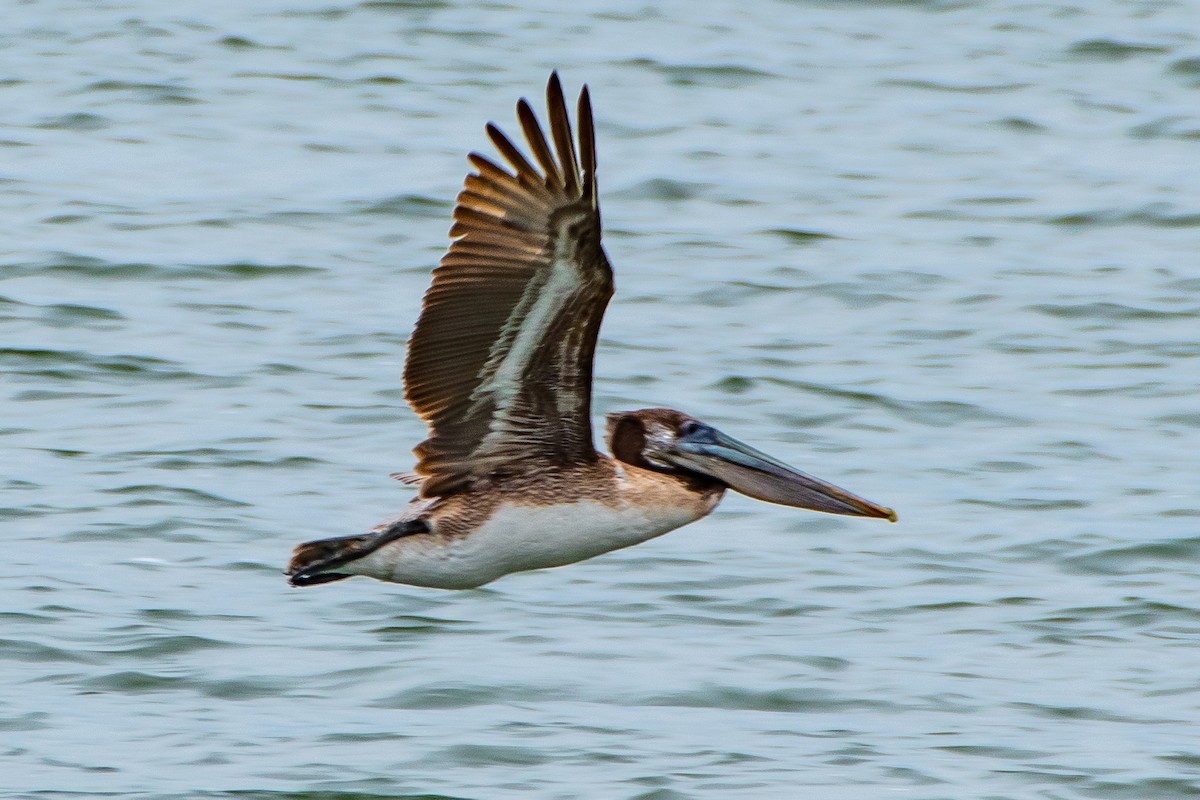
{"points": [[518, 538]]}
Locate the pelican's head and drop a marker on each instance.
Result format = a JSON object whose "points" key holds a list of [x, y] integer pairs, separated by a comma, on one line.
{"points": [[666, 440]]}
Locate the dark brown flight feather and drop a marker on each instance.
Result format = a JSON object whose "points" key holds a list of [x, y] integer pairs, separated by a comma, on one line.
{"points": [[500, 364]]}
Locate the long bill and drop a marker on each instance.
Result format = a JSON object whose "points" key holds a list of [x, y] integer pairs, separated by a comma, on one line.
{"points": [[706, 450]]}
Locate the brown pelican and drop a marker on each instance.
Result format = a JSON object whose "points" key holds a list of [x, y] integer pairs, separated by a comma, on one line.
{"points": [[500, 368]]}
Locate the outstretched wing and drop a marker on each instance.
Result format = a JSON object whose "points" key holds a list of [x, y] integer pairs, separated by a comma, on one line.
{"points": [[500, 365]]}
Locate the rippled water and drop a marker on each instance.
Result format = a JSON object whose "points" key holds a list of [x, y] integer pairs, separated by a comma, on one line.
{"points": [[943, 253]]}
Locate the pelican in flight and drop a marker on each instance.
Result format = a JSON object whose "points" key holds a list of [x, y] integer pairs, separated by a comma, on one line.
{"points": [[500, 368]]}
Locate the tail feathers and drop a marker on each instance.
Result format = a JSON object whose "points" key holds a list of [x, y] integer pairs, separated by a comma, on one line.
{"points": [[316, 562], [312, 561]]}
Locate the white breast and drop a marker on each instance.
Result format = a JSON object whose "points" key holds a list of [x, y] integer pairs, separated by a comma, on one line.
{"points": [[521, 537]]}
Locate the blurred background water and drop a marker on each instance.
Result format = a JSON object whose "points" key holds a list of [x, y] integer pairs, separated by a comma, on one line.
{"points": [[942, 253]]}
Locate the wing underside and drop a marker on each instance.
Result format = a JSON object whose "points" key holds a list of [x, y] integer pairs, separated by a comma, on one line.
{"points": [[500, 364]]}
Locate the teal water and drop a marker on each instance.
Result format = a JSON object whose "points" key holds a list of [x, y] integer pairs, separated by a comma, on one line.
{"points": [[942, 253]]}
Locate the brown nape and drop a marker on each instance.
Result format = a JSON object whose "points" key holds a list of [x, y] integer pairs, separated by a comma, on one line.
{"points": [[626, 438], [667, 417]]}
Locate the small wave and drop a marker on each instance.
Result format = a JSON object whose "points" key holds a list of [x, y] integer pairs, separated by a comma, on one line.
{"points": [[797, 236], [1110, 312], [153, 93], [446, 696], [1113, 50], [781, 700], [1186, 66], [157, 646], [166, 529], [244, 43], [476, 755], [80, 121], [33, 721], [208, 458], [23, 650], [157, 495], [1156, 215], [725, 76], [45, 395], [405, 205], [663, 189], [1028, 504], [925, 412], [1021, 125], [1085, 713], [403, 5], [70, 311], [288, 76], [77, 365], [946, 86], [1137, 558], [246, 269], [90, 267], [135, 682], [1172, 127], [1190, 420], [371, 790]]}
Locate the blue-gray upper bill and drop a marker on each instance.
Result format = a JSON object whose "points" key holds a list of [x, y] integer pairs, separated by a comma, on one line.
{"points": [[706, 450]]}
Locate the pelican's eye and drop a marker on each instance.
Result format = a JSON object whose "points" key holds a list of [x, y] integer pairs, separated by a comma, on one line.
{"points": [[690, 428]]}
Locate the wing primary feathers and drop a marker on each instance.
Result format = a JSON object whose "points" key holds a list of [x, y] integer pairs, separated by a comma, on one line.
{"points": [[525, 171], [560, 129], [537, 143], [491, 171], [587, 146]]}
